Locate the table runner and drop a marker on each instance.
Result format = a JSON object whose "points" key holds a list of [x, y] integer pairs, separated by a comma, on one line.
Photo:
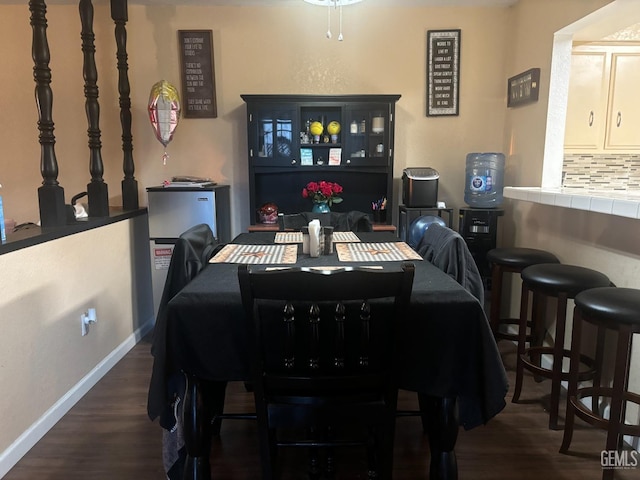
{"points": [[257, 254], [376, 252], [296, 237]]}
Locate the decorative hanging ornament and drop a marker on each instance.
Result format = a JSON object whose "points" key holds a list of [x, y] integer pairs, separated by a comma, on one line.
{"points": [[164, 113]]}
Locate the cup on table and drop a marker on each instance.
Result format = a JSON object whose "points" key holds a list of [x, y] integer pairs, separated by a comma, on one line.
{"points": [[380, 216]]}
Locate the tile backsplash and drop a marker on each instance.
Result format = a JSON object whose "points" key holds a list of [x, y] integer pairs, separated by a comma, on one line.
{"points": [[612, 172]]}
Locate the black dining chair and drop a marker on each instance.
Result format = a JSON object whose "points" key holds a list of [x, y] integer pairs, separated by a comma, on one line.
{"points": [[352, 221], [191, 253], [323, 359]]}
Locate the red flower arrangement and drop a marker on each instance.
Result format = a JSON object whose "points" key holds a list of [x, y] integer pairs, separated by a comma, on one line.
{"points": [[323, 192]]}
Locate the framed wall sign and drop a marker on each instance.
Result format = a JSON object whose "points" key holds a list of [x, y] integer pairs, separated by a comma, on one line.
{"points": [[197, 74], [523, 88], [443, 72]]}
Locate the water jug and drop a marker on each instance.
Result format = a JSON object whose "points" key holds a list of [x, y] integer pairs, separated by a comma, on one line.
{"points": [[484, 180]]}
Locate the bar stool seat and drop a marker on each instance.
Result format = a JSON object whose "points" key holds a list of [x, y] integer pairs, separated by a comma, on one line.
{"points": [[562, 282], [511, 260], [616, 309]]}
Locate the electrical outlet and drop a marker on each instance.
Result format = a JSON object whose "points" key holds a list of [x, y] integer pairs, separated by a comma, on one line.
{"points": [[86, 319]]}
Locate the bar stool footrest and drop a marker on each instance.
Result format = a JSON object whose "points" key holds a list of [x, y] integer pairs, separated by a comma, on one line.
{"points": [[586, 414], [547, 372], [513, 336]]}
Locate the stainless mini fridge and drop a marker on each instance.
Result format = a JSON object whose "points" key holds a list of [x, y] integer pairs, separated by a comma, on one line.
{"points": [[173, 210]]}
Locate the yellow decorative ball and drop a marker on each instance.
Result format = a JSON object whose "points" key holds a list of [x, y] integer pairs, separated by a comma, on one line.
{"points": [[333, 128], [316, 128]]}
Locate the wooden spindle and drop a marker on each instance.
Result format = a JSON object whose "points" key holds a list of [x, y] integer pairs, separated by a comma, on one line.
{"points": [[290, 339], [50, 194], [119, 14], [314, 340], [365, 326], [338, 360], [97, 189]]}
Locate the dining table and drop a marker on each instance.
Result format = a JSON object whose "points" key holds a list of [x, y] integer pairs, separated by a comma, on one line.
{"points": [[449, 356]]}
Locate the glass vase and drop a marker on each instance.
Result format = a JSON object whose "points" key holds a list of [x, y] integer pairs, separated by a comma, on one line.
{"points": [[320, 207]]}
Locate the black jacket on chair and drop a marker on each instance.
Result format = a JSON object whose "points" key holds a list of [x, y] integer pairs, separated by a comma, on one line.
{"points": [[447, 250], [192, 251]]}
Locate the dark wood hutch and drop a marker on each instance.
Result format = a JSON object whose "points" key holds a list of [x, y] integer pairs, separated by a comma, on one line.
{"points": [[284, 155]]}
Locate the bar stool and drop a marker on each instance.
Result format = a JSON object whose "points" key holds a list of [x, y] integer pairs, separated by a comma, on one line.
{"points": [[511, 260], [562, 282], [609, 309]]}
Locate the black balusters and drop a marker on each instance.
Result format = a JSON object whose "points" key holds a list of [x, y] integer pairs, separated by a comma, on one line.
{"points": [[97, 189], [119, 14], [50, 194]]}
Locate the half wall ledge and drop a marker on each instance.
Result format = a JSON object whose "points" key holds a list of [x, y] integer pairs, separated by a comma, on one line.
{"points": [[35, 235], [623, 204]]}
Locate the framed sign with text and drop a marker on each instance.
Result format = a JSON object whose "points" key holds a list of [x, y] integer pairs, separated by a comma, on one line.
{"points": [[197, 74], [523, 88], [443, 72]]}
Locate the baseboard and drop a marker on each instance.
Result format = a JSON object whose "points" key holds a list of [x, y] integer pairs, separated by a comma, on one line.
{"points": [[37, 430]]}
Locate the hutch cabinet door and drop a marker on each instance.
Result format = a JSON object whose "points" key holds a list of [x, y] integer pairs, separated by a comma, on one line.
{"points": [[272, 134], [368, 134]]}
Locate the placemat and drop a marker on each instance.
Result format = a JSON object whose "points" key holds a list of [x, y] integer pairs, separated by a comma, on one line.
{"points": [[296, 237], [339, 237], [288, 237], [376, 252], [256, 254]]}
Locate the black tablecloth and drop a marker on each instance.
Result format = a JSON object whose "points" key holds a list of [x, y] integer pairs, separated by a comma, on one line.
{"points": [[448, 348]]}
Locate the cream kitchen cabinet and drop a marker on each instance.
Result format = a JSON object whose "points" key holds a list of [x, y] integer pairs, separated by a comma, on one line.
{"points": [[603, 111]]}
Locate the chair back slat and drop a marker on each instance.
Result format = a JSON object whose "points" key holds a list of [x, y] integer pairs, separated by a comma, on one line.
{"points": [[327, 324], [365, 334], [314, 344], [290, 326], [338, 359]]}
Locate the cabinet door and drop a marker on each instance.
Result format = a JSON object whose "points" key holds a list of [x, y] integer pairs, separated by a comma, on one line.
{"points": [[587, 103], [368, 134], [272, 130], [623, 127]]}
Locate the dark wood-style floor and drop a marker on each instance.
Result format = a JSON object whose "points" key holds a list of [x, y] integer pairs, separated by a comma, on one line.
{"points": [[108, 436]]}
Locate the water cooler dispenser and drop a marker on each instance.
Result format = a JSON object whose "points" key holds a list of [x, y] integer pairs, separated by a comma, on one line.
{"points": [[478, 223], [479, 228]]}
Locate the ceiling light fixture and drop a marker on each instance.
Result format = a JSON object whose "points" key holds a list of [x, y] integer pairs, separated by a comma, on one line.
{"points": [[333, 4]]}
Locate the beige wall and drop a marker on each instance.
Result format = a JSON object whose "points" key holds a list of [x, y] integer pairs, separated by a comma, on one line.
{"points": [[45, 288], [257, 50]]}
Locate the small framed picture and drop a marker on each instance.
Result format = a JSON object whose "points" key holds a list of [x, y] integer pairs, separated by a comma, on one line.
{"points": [[443, 72], [523, 88]]}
